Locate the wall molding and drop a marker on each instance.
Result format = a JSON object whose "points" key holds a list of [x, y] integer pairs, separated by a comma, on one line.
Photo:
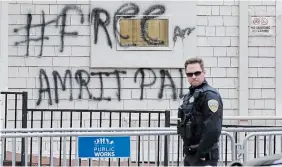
{"points": [[243, 58], [4, 45], [278, 57], [3, 54]]}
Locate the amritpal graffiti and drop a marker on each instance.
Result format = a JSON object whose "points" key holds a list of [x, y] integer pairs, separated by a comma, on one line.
{"points": [[83, 78], [127, 10]]}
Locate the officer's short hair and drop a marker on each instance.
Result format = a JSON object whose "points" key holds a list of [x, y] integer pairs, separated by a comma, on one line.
{"points": [[195, 60]]}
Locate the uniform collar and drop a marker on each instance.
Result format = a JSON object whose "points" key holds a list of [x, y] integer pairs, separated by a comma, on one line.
{"points": [[198, 87]]}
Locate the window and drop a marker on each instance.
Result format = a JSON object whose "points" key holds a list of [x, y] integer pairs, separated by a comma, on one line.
{"points": [[136, 34]]}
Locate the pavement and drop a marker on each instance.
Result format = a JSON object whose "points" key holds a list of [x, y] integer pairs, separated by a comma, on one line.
{"points": [[45, 161]]}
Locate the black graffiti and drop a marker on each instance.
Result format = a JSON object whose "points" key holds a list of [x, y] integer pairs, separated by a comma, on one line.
{"points": [[149, 14], [123, 12], [82, 82], [42, 90], [101, 86], [130, 10], [181, 83], [99, 22], [126, 10], [178, 32], [165, 74], [57, 76], [142, 84], [116, 73], [82, 78], [28, 27], [66, 81], [63, 15]]}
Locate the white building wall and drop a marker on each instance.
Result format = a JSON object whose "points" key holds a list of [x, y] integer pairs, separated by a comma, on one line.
{"points": [[217, 42], [216, 39], [3, 50], [3, 59], [218, 45], [262, 63]]}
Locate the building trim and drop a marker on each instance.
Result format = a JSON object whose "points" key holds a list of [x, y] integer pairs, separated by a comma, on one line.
{"points": [[243, 59], [278, 56]]}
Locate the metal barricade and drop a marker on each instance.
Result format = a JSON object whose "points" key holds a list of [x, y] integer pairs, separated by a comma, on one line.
{"points": [[226, 150], [250, 124], [70, 157], [15, 105], [44, 118], [259, 145], [258, 135], [151, 140]]}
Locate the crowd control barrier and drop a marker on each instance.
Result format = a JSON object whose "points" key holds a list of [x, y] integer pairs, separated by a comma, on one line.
{"points": [[156, 145], [17, 115], [258, 135]]}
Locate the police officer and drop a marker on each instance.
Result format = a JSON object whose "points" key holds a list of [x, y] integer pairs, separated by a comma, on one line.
{"points": [[200, 118]]}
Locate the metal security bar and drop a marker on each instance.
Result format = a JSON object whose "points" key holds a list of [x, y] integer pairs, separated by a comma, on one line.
{"points": [[246, 119], [258, 135], [112, 129], [15, 115]]}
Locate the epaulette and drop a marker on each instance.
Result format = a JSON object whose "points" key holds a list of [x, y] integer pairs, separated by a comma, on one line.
{"points": [[207, 88]]}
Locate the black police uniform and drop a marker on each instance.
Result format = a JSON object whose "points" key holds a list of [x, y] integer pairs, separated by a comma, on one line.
{"points": [[200, 126]]}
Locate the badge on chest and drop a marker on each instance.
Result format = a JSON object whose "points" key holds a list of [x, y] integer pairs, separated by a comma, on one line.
{"points": [[191, 100]]}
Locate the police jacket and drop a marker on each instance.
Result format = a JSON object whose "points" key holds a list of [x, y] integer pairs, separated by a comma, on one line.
{"points": [[205, 104]]}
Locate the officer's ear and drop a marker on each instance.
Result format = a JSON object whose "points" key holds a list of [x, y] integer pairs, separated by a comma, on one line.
{"points": [[204, 71]]}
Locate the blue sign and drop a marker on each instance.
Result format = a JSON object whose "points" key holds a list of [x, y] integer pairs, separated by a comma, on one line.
{"points": [[103, 147]]}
